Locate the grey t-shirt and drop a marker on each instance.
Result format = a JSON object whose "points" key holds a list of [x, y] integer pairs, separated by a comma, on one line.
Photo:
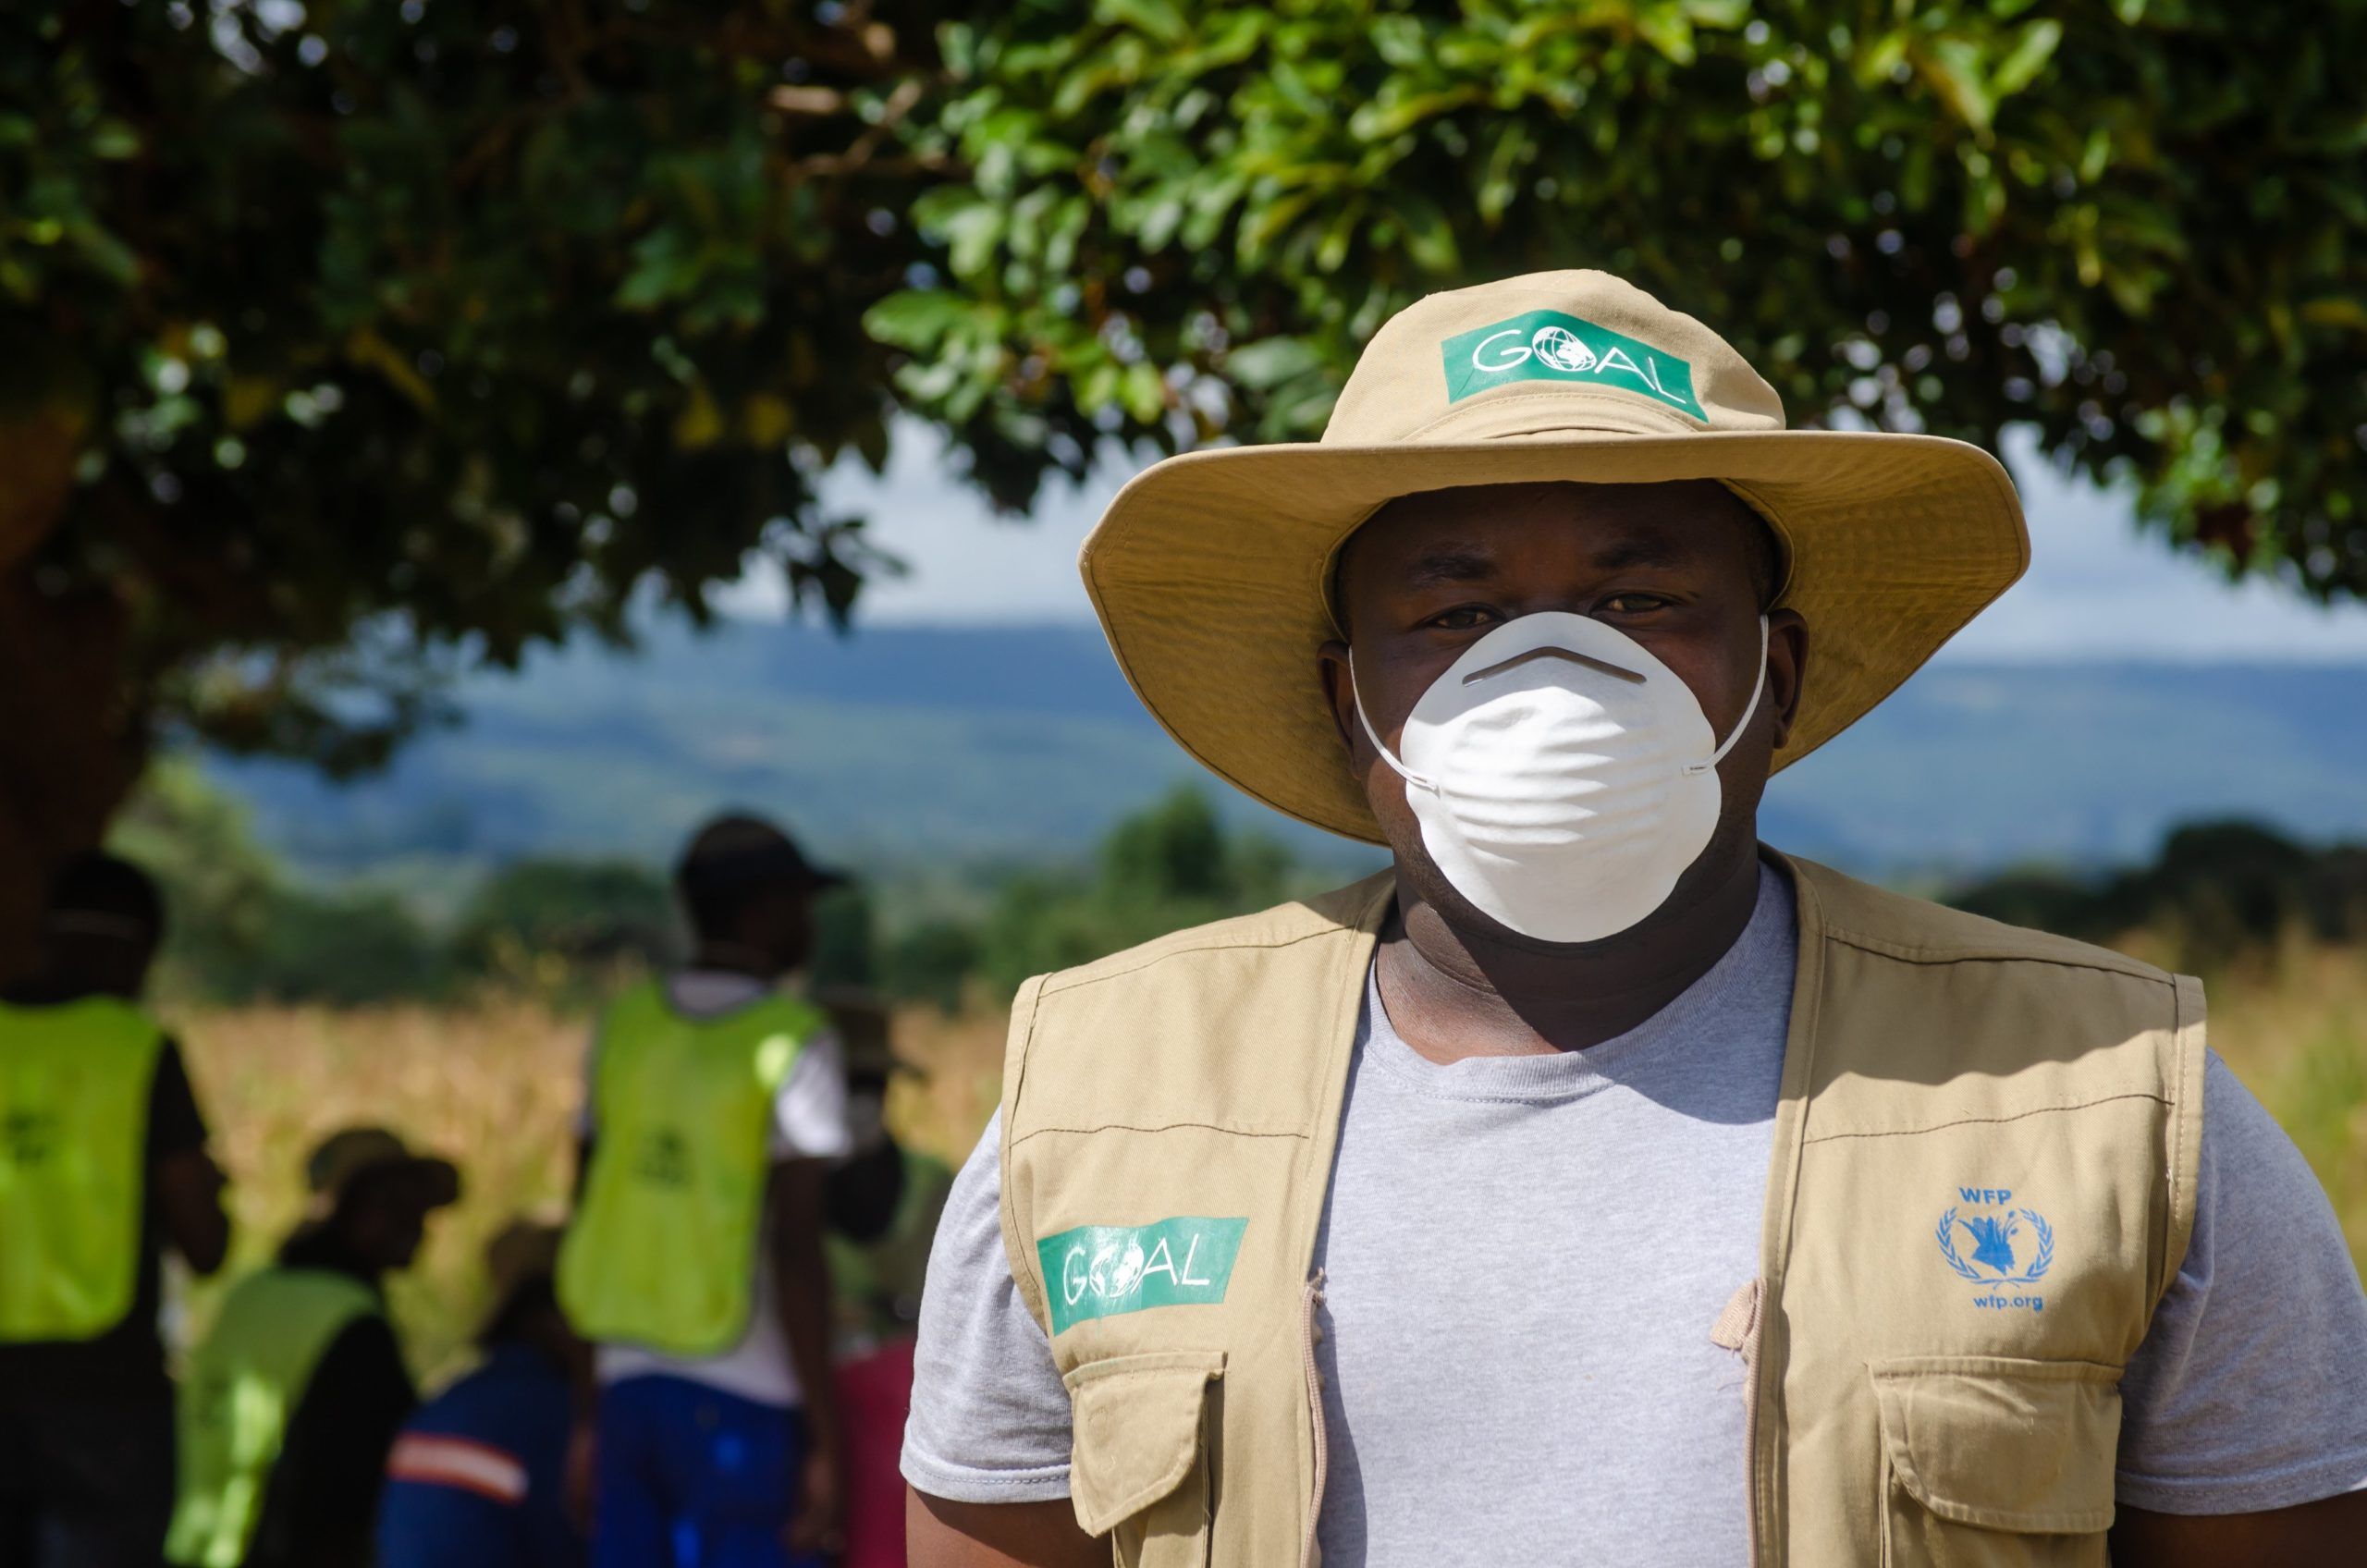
{"points": [[1523, 1255]]}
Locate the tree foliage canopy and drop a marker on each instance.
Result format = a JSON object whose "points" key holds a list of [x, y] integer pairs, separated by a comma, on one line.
{"points": [[356, 334], [346, 341], [2141, 227]]}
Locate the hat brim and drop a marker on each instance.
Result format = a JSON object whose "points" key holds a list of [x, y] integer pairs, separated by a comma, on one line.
{"points": [[1210, 573]]}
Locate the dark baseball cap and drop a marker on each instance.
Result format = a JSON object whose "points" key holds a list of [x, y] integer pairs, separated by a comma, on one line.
{"points": [[737, 852]]}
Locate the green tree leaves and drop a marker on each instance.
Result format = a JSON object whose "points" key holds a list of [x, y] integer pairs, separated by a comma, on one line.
{"points": [[2139, 229], [341, 344], [447, 326]]}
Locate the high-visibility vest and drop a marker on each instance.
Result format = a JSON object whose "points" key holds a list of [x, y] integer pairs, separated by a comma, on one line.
{"points": [[663, 1249], [241, 1389], [1982, 1181], [75, 1081]]}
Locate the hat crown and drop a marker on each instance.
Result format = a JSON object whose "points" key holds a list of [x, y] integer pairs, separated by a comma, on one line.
{"points": [[1212, 571], [1552, 354]]}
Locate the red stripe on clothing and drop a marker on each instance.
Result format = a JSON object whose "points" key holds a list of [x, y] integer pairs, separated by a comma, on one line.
{"points": [[456, 1461]]}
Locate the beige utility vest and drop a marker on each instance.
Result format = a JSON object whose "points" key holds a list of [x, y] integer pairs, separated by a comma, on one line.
{"points": [[1983, 1181]]}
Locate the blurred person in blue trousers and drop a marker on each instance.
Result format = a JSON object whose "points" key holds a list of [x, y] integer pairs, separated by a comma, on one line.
{"points": [[717, 1106], [478, 1479]]}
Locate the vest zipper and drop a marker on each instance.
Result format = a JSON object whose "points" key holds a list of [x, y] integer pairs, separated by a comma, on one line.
{"points": [[1312, 1299], [1737, 1329]]}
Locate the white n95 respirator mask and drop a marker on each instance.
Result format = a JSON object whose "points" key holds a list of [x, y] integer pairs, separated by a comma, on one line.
{"points": [[1564, 777]]}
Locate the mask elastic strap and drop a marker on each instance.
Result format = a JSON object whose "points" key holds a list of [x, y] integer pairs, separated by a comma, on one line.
{"points": [[1757, 688], [1402, 771]]}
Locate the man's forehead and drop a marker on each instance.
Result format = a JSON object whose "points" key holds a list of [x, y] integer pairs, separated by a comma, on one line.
{"points": [[1456, 535]]}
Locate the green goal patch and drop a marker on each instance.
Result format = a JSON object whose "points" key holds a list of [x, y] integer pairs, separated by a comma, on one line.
{"points": [[1108, 1271], [1551, 346]]}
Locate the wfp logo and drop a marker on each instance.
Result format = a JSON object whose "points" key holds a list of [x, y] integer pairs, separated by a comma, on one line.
{"points": [[664, 1159], [28, 1137], [2008, 1245]]}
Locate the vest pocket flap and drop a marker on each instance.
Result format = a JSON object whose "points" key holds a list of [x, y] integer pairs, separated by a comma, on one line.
{"points": [[2003, 1443], [1137, 1430]]}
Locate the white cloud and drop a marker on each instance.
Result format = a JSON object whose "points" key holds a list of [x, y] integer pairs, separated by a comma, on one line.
{"points": [[968, 565], [2096, 588]]}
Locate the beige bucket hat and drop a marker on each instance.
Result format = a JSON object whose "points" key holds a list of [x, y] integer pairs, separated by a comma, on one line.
{"points": [[1211, 571]]}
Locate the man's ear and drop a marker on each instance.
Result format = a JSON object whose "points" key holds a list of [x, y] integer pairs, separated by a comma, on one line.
{"points": [[1787, 662], [1340, 691]]}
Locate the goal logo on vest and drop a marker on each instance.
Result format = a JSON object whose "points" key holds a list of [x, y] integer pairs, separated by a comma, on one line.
{"points": [[1108, 1271], [2010, 1246]]}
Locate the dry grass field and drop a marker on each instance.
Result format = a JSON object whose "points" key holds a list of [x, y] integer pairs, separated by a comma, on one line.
{"points": [[497, 1086]]}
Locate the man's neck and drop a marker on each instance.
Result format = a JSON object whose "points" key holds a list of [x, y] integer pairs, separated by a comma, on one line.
{"points": [[322, 1246], [729, 958], [53, 987], [1452, 993]]}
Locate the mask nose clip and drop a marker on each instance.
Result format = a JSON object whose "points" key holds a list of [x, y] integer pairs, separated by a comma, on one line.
{"points": [[1691, 770]]}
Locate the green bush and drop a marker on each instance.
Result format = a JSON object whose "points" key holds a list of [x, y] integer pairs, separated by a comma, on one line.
{"points": [[584, 913], [1171, 866], [2218, 890], [342, 949]]}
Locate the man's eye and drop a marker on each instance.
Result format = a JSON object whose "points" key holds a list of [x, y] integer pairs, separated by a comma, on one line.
{"points": [[1464, 618], [1634, 604]]}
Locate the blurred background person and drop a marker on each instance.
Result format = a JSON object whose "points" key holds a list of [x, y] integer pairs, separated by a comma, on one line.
{"points": [[883, 1203], [715, 1108], [292, 1401], [478, 1479], [103, 1167]]}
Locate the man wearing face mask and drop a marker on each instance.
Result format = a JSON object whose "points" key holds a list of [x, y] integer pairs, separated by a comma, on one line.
{"points": [[1599, 1186]]}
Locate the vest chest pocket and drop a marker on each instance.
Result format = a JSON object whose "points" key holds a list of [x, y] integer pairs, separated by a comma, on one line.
{"points": [[1992, 1462], [1139, 1471]]}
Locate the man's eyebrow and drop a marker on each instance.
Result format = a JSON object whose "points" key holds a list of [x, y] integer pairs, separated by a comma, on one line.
{"points": [[1642, 550], [1450, 563]]}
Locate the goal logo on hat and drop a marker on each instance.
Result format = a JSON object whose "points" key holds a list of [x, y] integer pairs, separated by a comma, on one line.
{"points": [[1550, 345]]}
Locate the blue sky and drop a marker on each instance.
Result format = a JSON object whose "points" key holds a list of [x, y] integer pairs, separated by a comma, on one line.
{"points": [[2096, 588]]}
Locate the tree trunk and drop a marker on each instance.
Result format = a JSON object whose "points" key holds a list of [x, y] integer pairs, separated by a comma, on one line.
{"points": [[72, 739]]}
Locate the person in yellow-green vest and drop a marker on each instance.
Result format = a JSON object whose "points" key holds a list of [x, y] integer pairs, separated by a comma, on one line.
{"points": [[293, 1400], [714, 1108], [103, 1169], [1597, 1184]]}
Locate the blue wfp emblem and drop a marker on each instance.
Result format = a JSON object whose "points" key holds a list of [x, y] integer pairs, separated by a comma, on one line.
{"points": [[2012, 1247]]}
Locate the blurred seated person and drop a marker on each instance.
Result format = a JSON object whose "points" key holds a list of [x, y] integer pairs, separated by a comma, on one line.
{"points": [[294, 1398], [103, 1169], [478, 1477]]}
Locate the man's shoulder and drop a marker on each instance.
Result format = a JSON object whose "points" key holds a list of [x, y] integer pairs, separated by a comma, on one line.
{"points": [[1914, 930], [1280, 929]]}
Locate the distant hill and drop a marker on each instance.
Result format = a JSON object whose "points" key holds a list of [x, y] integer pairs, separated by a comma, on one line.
{"points": [[930, 751]]}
